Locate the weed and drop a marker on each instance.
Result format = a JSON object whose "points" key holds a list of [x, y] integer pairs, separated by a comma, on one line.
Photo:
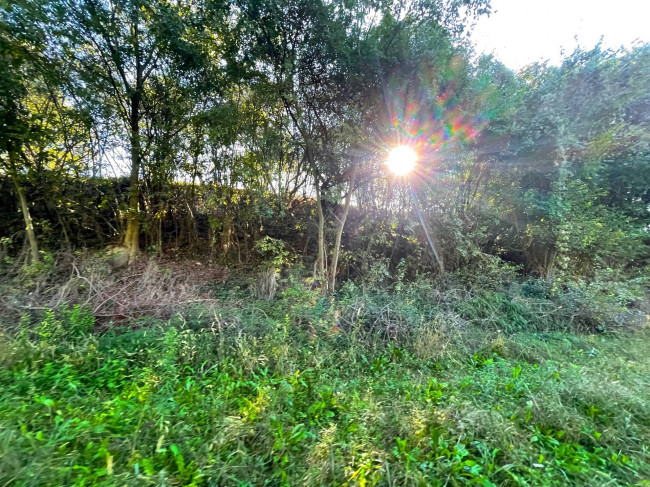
{"points": [[268, 394]]}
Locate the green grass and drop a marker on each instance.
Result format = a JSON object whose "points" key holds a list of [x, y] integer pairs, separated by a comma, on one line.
{"points": [[267, 395]]}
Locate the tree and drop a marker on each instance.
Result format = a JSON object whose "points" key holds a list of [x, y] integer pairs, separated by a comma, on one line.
{"points": [[117, 52], [327, 64], [41, 132]]}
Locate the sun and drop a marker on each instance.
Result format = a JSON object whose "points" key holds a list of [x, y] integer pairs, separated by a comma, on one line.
{"points": [[401, 160]]}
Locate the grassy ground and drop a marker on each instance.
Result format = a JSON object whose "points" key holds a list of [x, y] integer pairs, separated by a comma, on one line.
{"points": [[254, 396]]}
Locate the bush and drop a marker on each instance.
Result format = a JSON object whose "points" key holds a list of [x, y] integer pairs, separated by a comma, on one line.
{"points": [[600, 305], [65, 324]]}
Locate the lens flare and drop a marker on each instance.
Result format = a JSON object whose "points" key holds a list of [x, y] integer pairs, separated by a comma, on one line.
{"points": [[434, 118], [401, 160]]}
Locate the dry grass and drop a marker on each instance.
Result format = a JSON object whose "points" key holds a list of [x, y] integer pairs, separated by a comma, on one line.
{"points": [[153, 287]]}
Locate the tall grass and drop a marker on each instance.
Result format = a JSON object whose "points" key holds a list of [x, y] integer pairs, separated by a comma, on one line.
{"points": [[411, 387]]}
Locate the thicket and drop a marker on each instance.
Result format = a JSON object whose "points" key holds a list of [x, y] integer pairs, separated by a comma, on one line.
{"points": [[206, 129]]}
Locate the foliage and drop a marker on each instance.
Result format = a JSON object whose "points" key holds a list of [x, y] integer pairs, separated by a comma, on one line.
{"points": [[286, 396], [273, 251], [252, 134], [253, 120]]}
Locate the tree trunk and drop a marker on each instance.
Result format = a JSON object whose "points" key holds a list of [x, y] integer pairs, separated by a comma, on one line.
{"points": [[339, 233], [132, 238], [29, 227], [226, 235], [319, 267], [159, 242], [436, 254]]}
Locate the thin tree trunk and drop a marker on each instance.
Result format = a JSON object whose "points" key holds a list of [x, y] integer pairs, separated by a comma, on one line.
{"points": [[29, 226], [320, 260], [339, 233], [436, 254], [226, 235], [66, 238], [159, 249]]}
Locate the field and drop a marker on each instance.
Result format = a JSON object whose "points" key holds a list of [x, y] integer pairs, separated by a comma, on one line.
{"points": [[303, 391]]}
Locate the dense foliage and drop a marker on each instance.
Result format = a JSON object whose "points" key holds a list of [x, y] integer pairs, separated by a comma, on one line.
{"points": [[209, 276], [231, 121], [261, 394]]}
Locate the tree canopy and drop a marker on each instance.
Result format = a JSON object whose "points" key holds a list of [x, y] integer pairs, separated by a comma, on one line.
{"points": [[162, 126]]}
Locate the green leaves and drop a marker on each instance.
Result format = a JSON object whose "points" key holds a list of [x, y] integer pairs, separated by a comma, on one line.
{"points": [[258, 402]]}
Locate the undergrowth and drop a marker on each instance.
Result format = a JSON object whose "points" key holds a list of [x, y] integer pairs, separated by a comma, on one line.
{"points": [[411, 387]]}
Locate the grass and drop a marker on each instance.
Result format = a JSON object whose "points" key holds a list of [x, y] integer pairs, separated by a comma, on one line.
{"points": [[260, 393]]}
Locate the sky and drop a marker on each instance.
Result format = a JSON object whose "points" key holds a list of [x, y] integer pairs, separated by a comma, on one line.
{"points": [[520, 32]]}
